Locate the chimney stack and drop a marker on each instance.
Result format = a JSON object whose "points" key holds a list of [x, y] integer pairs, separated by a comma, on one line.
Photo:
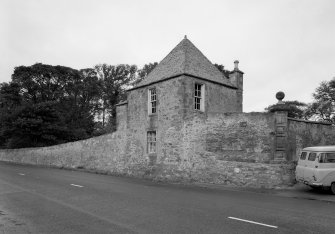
{"points": [[236, 78], [236, 65]]}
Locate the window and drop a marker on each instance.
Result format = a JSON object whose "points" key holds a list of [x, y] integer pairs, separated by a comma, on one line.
{"points": [[311, 156], [151, 139], [199, 90], [303, 155], [152, 101], [327, 158]]}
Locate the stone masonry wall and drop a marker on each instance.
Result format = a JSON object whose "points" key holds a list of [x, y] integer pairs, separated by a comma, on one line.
{"points": [[232, 149], [303, 134], [175, 105], [121, 117], [166, 122], [218, 99], [104, 153]]}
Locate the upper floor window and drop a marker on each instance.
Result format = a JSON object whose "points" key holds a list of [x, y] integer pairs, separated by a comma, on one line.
{"points": [[199, 91], [152, 101], [151, 140]]}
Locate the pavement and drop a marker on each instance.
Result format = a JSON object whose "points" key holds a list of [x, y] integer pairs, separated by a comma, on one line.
{"points": [[297, 191], [48, 200], [301, 191]]}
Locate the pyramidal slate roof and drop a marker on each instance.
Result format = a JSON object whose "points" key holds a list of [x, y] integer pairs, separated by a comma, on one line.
{"points": [[185, 59]]}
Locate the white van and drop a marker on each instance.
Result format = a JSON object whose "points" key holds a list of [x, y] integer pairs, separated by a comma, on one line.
{"points": [[316, 167]]}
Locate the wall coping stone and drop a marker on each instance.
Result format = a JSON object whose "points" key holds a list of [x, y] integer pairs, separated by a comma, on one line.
{"points": [[308, 121]]}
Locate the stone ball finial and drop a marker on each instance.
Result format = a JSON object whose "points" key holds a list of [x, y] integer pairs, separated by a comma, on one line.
{"points": [[280, 106], [280, 96], [185, 37]]}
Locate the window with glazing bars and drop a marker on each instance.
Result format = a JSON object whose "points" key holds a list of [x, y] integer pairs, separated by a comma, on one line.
{"points": [[151, 139], [152, 101], [198, 96]]}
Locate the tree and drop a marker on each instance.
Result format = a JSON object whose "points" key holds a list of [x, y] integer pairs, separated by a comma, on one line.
{"points": [[296, 109], [41, 82], [10, 99], [45, 105], [35, 125], [323, 106], [91, 90], [9, 95], [114, 81], [144, 72]]}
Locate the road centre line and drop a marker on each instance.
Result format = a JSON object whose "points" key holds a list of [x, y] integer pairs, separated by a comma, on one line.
{"points": [[248, 221], [76, 185], [21, 174]]}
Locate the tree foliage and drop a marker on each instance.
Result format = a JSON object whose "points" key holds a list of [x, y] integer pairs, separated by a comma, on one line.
{"points": [[113, 83], [36, 125], [323, 106], [45, 105], [321, 109], [296, 109], [144, 72]]}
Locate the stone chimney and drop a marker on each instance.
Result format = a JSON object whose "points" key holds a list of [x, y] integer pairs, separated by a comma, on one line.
{"points": [[236, 78], [236, 65]]}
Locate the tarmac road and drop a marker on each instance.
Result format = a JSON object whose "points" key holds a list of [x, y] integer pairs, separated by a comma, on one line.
{"points": [[46, 200]]}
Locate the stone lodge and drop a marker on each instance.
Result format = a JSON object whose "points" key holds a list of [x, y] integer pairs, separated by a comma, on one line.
{"points": [[184, 85]]}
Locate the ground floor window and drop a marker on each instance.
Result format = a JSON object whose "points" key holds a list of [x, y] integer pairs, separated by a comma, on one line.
{"points": [[151, 139]]}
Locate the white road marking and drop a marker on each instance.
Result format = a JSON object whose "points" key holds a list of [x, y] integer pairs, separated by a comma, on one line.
{"points": [[76, 185], [248, 221], [21, 174]]}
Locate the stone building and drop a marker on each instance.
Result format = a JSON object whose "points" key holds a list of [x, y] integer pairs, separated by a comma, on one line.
{"points": [[184, 85]]}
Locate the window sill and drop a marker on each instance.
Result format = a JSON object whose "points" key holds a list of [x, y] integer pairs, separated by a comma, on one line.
{"points": [[201, 111]]}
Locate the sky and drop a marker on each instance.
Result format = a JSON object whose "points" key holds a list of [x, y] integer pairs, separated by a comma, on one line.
{"points": [[286, 45]]}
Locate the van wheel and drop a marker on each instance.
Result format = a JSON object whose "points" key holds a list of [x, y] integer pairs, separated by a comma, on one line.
{"points": [[332, 188]]}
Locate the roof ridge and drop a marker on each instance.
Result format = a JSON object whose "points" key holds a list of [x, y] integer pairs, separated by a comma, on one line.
{"points": [[185, 53]]}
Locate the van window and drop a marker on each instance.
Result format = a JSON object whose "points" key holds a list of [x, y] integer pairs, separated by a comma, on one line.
{"points": [[311, 156], [327, 158], [303, 155], [322, 158]]}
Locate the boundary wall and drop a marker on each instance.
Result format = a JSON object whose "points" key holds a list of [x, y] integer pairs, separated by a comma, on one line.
{"points": [[236, 149]]}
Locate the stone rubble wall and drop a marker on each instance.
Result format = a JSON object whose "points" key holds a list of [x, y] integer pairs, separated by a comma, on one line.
{"points": [[233, 149], [303, 134], [103, 153]]}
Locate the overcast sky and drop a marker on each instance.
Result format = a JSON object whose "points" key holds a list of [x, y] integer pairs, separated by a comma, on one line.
{"points": [[281, 45]]}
